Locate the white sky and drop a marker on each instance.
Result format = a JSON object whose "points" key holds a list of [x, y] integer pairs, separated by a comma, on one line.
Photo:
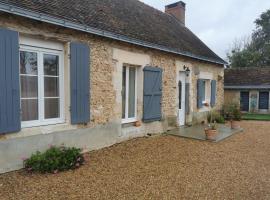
{"points": [[219, 22]]}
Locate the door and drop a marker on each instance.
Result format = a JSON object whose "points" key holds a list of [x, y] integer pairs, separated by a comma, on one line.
{"points": [[264, 100], [244, 101], [181, 98]]}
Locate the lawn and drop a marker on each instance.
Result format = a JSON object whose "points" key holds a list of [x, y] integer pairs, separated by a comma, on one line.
{"points": [[162, 167], [259, 117]]}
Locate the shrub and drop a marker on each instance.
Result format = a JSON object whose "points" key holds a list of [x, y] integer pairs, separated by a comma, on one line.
{"points": [[232, 112], [216, 117], [54, 160]]}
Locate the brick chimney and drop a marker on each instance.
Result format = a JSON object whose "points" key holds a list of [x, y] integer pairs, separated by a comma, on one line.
{"points": [[178, 10]]}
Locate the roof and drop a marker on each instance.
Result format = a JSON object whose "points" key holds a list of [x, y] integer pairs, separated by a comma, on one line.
{"points": [[247, 78], [126, 20]]}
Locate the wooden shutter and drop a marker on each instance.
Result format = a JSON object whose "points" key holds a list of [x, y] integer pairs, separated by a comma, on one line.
{"points": [[187, 98], [244, 101], [200, 91], [213, 92], [264, 100], [9, 82], [152, 94], [80, 83]]}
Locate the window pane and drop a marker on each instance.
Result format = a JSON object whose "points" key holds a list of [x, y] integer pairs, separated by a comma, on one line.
{"points": [[28, 63], [204, 90], [29, 86], [29, 109], [124, 93], [180, 94], [131, 96], [51, 63], [51, 108], [51, 88]]}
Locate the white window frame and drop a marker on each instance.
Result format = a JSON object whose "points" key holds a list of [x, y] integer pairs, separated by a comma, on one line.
{"points": [[133, 119], [41, 115]]}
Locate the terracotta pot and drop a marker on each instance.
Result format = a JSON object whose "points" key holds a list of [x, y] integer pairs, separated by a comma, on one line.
{"points": [[211, 134], [138, 123], [235, 124]]}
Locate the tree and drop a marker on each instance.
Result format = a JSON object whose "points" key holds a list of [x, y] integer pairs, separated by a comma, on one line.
{"points": [[256, 51]]}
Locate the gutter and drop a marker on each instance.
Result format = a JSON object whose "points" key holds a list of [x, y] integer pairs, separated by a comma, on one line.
{"points": [[76, 26], [247, 87]]}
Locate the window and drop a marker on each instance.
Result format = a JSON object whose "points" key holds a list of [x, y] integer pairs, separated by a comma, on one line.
{"points": [[180, 94], [204, 91], [41, 80], [129, 94]]}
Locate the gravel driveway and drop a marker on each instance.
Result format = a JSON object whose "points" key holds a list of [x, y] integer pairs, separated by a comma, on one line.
{"points": [[163, 167]]}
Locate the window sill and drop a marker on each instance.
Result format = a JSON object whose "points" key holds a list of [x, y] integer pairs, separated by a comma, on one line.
{"points": [[32, 124], [127, 121]]}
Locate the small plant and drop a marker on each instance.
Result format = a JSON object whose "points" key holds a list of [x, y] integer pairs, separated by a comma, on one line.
{"points": [[212, 126], [55, 159], [216, 117], [232, 112]]}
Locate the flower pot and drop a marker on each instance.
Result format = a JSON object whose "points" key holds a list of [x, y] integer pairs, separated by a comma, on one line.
{"points": [[235, 124], [211, 134], [138, 123]]}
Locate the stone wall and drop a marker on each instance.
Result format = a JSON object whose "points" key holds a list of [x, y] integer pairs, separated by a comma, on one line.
{"points": [[231, 96], [103, 93], [107, 58]]}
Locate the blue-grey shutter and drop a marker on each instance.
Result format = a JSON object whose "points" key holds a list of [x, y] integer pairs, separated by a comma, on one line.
{"points": [[213, 92], [264, 100], [187, 98], [80, 83], [152, 94], [200, 91], [9, 82]]}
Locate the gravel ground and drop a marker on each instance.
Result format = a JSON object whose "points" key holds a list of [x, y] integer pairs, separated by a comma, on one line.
{"points": [[163, 167]]}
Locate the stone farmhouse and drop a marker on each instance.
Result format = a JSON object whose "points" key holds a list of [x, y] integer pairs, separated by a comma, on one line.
{"points": [[94, 73]]}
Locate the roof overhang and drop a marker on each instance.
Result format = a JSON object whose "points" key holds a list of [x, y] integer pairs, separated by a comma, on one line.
{"points": [[247, 87], [76, 26]]}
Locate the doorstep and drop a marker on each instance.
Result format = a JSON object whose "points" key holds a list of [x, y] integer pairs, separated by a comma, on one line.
{"points": [[197, 132]]}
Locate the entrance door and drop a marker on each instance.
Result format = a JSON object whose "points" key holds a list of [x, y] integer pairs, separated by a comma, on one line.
{"points": [[244, 101], [181, 98]]}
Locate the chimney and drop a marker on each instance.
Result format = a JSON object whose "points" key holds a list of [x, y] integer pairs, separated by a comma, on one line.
{"points": [[178, 10]]}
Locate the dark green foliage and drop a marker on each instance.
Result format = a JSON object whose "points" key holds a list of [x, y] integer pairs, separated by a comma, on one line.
{"points": [[256, 51], [216, 117], [54, 160], [232, 112]]}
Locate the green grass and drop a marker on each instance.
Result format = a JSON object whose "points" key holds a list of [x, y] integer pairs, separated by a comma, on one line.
{"points": [[259, 117]]}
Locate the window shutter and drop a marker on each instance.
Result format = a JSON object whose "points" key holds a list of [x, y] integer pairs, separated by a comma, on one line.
{"points": [[9, 82], [187, 98], [152, 94], [80, 83], [213, 92], [200, 91]]}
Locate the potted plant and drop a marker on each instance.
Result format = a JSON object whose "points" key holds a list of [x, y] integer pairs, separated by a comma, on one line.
{"points": [[234, 115], [138, 123], [211, 131]]}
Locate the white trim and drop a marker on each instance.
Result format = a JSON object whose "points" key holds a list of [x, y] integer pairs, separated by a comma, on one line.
{"points": [[133, 119], [206, 75], [32, 47], [33, 42]]}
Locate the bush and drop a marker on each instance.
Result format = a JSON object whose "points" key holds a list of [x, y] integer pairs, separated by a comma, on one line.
{"points": [[232, 112], [216, 117], [54, 160]]}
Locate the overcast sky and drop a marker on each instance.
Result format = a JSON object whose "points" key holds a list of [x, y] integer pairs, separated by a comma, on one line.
{"points": [[219, 22]]}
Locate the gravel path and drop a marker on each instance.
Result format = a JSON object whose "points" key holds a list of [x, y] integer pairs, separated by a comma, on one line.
{"points": [[162, 167]]}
